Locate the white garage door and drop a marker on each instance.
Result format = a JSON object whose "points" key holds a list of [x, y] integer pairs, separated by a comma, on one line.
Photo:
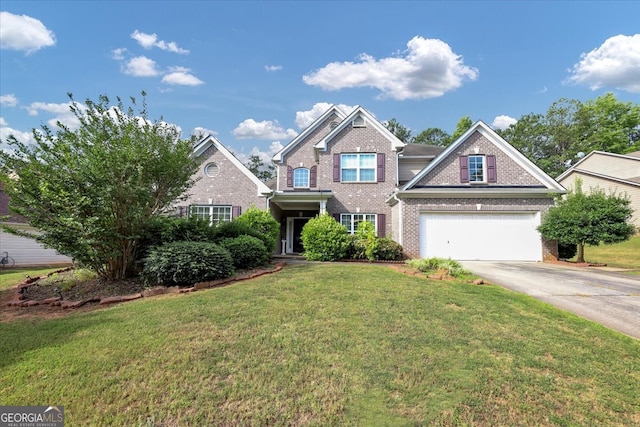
{"points": [[481, 236]]}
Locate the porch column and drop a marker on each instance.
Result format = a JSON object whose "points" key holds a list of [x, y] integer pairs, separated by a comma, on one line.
{"points": [[323, 207]]}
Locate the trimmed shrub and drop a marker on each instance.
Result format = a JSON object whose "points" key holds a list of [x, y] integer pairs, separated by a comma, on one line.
{"points": [[388, 250], [186, 263], [233, 229], [355, 248], [246, 251], [324, 239], [567, 250], [263, 222]]}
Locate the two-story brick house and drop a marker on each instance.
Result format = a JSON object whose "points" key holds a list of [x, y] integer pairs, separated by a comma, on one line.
{"points": [[477, 199]]}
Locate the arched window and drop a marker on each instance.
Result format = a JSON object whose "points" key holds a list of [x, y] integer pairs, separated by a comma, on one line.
{"points": [[301, 178], [211, 170]]}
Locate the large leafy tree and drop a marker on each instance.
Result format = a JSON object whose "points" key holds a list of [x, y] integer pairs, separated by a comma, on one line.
{"points": [[593, 218], [401, 132], [433, 136], [463, 125], [570, 129], [92, 191], [260, 169]]}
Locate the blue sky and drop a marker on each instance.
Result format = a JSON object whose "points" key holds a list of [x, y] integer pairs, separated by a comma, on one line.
{"points": [[256, 73]]}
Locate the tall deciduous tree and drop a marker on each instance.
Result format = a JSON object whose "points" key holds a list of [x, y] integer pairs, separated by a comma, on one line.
{"points": [[400, 131], [259, 169], [593, 218], [433, 136], [91, 192], [569, 129], [463, 125]]}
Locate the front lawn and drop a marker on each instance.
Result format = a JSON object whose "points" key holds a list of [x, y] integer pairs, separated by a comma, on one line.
{"points": [[625, 254], [10, 277], [325, 345]]}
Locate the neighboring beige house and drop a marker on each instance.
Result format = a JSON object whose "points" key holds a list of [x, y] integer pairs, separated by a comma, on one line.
{"points": [[477, 199], [618, 173], [25, 251]]}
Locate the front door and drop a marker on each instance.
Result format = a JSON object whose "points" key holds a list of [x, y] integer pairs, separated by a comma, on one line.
{"points": [[298, 223]]}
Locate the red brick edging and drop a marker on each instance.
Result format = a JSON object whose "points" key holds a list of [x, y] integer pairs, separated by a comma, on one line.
{"points": [[19, 301]]}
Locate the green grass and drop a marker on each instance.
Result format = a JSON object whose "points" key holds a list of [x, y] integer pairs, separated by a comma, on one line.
{"points": [[10, 277], [624, 255], [326, 345]]}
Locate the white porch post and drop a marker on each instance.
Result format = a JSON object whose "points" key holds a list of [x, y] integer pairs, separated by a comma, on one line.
{"points": [[323, 207]]}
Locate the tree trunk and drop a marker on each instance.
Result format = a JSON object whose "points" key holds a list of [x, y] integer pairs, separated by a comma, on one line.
{"points": [[580, 252]]}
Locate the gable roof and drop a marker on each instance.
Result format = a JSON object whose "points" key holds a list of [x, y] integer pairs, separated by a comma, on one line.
{"points": [[279, 156], [209, 140], [499, 143], [633, 180], [396, 144]]}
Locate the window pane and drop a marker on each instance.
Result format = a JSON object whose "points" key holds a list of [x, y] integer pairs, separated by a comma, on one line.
{"points": [[349, 161], [367, 175], [367, 160], [476, 171], [349, 175], [301, 178]]}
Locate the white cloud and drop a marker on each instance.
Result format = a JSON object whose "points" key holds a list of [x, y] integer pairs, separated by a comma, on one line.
{"points": [[503, 122], [201, 132], [181, 76], [3, 122], [148, 41], [266, 129], [427, 69], [9, 100], [5, 131], [22, 32], [305, 118], [272, 68], [118, 54], [62, 113], [616, 63], [141, 66], [265, 156]]}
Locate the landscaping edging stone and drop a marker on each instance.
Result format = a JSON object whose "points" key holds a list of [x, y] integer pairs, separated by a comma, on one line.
{"points": [[19, 301]]}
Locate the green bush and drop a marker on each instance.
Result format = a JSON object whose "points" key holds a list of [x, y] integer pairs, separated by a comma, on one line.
{"points": [[324, 239], [186, 263], [355, 248], [246, 251], [427, 265], [263, 222], [567, 250], [388, 250], [233, 229]]}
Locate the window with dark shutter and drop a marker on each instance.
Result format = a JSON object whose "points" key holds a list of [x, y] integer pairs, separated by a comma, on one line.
{"points": [[464, 169], [336, 167], [382, 225], [289, 176], [313, 173], [381, 165], [491, 169]]}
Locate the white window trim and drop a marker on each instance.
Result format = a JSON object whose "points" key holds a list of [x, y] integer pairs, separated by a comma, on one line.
{"points": [[484, 169], [213, 173], [308, 178], [210, 214], [358, 168], [352, 227]]}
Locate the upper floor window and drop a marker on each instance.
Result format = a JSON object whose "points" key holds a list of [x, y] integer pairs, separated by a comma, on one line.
{"points": [[211, 170], [301, 178], [212, 213], [358, 122], [477, 169], [358, 167]]}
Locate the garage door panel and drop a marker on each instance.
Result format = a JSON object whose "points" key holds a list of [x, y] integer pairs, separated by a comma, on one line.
{"points": [[473, 236]]}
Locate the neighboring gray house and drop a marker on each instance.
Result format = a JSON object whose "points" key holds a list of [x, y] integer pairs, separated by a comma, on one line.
{"points": [[477, 199], [619, 173], [25, 251]]}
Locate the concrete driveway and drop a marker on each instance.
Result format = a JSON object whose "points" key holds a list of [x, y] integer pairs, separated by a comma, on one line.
{"points": [[607, 297]]}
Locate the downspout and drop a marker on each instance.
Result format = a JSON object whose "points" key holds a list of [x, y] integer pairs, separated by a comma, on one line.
{"points": [[401, 215]]}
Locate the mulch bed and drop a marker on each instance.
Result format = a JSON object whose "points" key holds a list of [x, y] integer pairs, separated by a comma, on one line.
{"points": [[32, 299]]}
